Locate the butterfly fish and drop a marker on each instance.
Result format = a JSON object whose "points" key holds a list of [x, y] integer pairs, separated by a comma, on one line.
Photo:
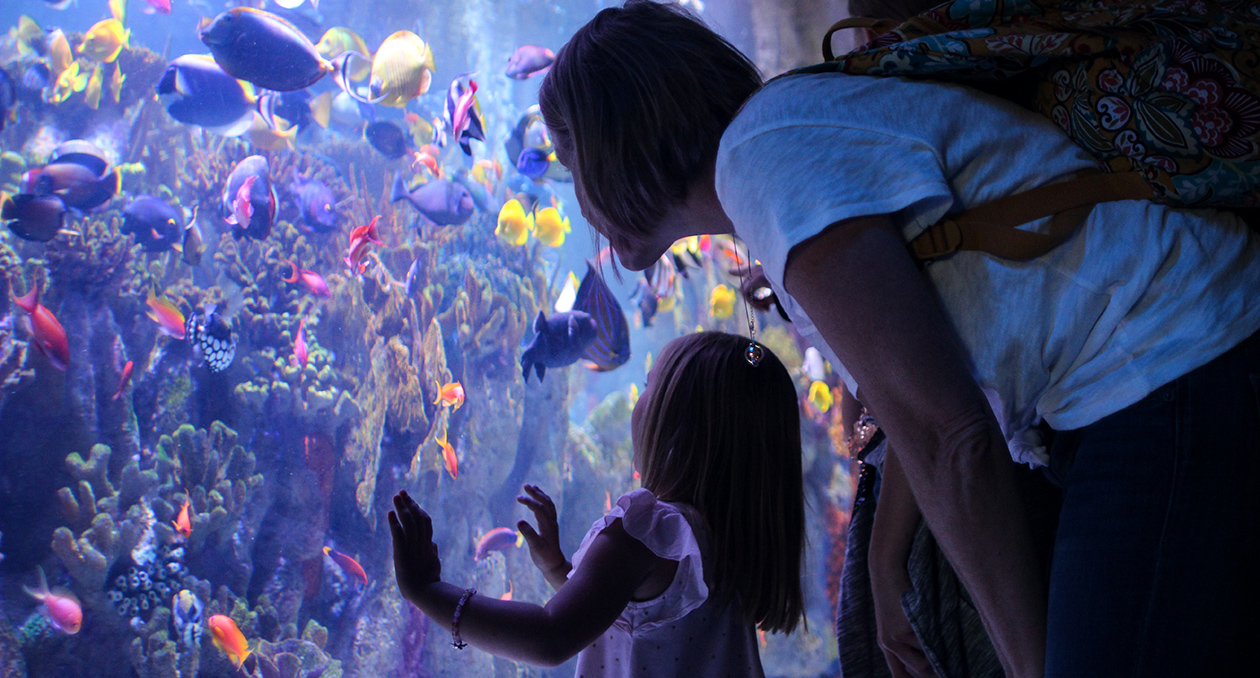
{"points": [[212, 337]]}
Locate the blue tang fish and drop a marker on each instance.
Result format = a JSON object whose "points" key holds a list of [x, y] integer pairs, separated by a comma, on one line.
{"points": [[156, 225], [262, 195], [533, 163], [33, 217], [197, 92], [443, 202], [315, 201], [263, 49], [596, 329]]}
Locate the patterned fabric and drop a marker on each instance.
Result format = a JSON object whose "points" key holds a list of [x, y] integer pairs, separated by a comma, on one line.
{"points": [[1170, 88]]}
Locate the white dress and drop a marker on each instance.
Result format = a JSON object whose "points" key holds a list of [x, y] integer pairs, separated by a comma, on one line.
{"points": [[683, 631]]}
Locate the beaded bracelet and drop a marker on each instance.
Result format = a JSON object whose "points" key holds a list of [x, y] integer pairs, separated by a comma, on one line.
{"points": [[456, 642]]}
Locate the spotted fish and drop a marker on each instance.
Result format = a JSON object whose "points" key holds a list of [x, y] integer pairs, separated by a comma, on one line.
{"points": [[212, 337]]}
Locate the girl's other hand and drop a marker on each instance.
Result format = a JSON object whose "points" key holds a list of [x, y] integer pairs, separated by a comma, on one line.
{"points": [[416, 562], [544, 545]]}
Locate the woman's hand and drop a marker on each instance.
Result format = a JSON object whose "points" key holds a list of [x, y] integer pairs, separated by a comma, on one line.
{"points": [[544, 545], [901, 647], [416, 563]]}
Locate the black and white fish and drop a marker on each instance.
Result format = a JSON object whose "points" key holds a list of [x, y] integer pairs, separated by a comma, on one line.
{"points": [[186, 615], [212, 337]]}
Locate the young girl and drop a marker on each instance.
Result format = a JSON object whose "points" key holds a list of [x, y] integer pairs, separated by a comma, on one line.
{"points": [[673, 579]]}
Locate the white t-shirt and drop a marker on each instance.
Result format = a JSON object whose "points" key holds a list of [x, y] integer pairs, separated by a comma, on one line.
{"points": [[683, 633], [1139, 296]]}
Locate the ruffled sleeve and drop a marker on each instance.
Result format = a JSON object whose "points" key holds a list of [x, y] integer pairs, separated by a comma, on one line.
{"points": [[664, 529]]}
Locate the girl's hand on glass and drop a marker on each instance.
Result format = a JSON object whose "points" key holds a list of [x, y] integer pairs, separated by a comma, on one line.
{"points": [[416, 562], [544, 544]]}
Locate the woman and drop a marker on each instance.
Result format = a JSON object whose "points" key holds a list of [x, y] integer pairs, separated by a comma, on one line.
{"points": [[1135, 335]]}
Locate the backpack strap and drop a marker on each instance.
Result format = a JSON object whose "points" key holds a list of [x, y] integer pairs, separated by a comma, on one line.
{"points": [[877, 26], [991, 227]]}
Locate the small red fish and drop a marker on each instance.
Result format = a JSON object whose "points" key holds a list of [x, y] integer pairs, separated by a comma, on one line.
{"points": [[497, 539], [348, 564], [449, 460], [300, 356], [242, 208], [50, 338], [167, 315], [228, 638], [122, 380], [61, 606], [183, 524], [507, 595], [360, 238], [427, 160], [310, 280], [451, 395]]}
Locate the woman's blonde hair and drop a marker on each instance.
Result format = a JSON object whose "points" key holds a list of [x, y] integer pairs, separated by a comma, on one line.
{"points": [[724, 436]]}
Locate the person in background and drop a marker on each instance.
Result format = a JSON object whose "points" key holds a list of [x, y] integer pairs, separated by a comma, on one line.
{"points": [[673, 580], [1134, 339]]}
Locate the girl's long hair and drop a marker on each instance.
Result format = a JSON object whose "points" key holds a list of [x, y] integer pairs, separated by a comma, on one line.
{"points": [[724, 436]]}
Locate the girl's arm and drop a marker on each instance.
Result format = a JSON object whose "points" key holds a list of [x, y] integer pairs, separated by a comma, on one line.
{"points": [[614, 566], [544, 544], [858, 284]]}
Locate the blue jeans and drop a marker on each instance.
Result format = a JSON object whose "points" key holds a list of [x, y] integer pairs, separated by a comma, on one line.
{"points": [[1156, 568]]}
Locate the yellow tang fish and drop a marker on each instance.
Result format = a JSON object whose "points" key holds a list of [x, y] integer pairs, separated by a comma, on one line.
{"points": [[401, 70], [104, 40], [549, 228], [338, 41], [279, 139], [820, 396], [59, 56], [514, 224], [26, 35], [92, 93], [722, 302], [71, 80], [116, 82]]}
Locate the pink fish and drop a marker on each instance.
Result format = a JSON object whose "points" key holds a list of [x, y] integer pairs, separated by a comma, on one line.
{"points": [[310, 280], [528, 61], [61, 606], [167, 315], [360, 238], [348, 564], [242, 208], [159, 6], [122, 380], [497, 539], [49, 336], [300, 356]]}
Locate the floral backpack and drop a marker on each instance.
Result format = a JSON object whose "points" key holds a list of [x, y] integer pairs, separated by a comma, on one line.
{"points": [[1164, 93]]}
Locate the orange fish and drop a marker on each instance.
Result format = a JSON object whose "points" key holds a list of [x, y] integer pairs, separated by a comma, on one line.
{"points": [[300, 355], [451, 395], [228, 638], [507, 595], [448, 456], [183, 524], [309, 279], [607, 501], [348, 564], [49, 336], [360, 238], [167, 315], [122, 380], [61, 606], [427, 160]]}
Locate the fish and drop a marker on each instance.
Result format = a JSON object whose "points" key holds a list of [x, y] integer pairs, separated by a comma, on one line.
{"points": [[344, 112], [186, 616], [514, 225], [196, 91], [312, 281], [92, 93], [212, 337], [282, 137], [337, 41], [300, 355], [59, 4], [412, 284], [79, 185], [159, 6], [81, 152], [463, 114], [47, 334], [550, 228], [183, 523], [426, 159], [8, 98], [360, 238], [262, 197], [36, 77], [449, 460], [29, 38], [156, 225], [722, 302], [167, 315], [293, 107], [33, 217], [820, 396], [531, 132], [814, 364], [228, 638], [116, 82], [528, 61], [596, 329], [387, 138], [451, 395], [649, 304], [443, 202], [497, 539], [70, 81], [105, 40], [349, 565], [242, 209], [507, 595], [123, 379], [401, 70], [61, 606], [267, 51], [568, 294], [534, 162], [486, 172], [421, 130], [192, 246]]}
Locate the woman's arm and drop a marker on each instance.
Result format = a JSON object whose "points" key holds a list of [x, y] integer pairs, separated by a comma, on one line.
{"points": [[859, 285], [614, 566]]}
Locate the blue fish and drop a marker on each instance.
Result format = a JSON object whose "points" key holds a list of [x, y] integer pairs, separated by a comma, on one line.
{"points": [[533, 163], [443, 202], [315, 201], [156, 225], [387, 138], [34, 217], [262, 196], [8, 97], [196, 91], [596, 329]]}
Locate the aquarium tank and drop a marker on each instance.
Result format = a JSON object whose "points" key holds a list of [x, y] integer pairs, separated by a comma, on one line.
{"points": [[247, 294]]}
